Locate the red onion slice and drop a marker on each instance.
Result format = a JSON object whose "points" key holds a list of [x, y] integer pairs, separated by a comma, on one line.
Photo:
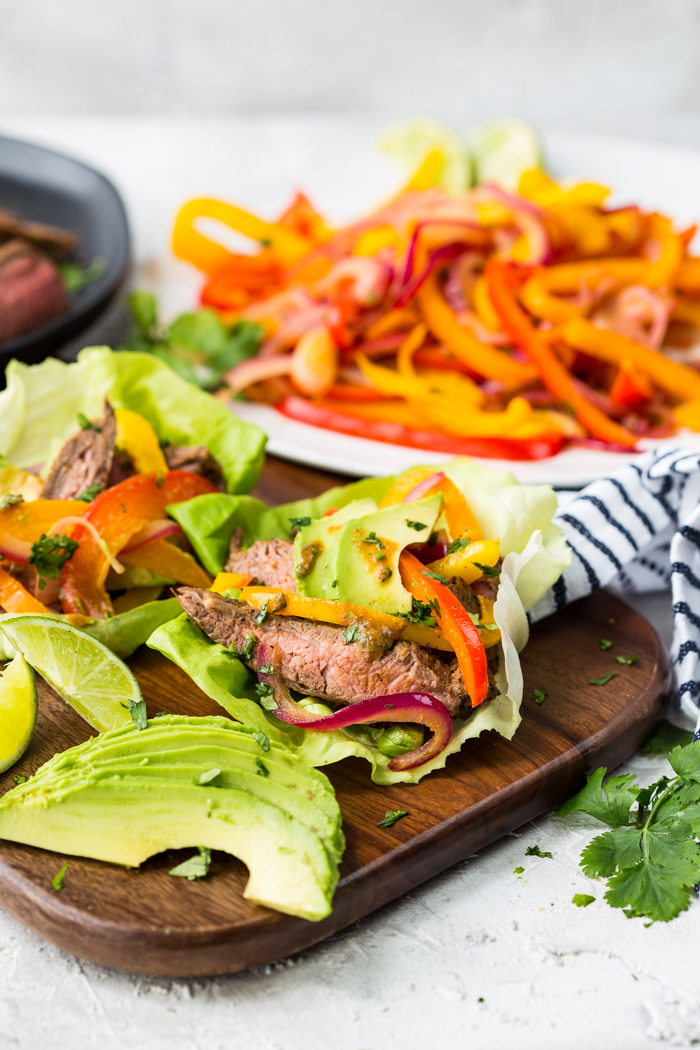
{"points": [[419, 490], [155, 530], [13, 549]]}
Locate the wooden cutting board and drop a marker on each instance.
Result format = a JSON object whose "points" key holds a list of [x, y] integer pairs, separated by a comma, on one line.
{"points": [[148, 922]]}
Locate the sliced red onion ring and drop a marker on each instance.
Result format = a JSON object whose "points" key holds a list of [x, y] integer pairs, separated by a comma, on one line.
{"points": [[411, 253], [421, 708], [256, 369], [448, 251], [13, 549], [370, 279], [155, 530], [419, 490]]}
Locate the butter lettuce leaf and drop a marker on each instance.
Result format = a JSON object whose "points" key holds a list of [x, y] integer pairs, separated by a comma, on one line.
{"points": [[126, 631]]}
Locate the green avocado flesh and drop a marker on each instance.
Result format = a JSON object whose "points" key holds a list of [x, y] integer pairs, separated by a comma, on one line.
{"points": [[360, 553], [127, 795]]}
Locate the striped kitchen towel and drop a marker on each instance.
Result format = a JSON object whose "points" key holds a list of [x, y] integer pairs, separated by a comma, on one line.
{"points": [[640, 531]]}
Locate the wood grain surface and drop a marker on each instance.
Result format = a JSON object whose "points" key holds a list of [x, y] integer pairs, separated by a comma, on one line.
{"points": [[147, 922]]}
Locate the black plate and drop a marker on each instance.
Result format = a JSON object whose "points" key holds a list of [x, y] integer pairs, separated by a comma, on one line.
{"points": [[45, 186]]}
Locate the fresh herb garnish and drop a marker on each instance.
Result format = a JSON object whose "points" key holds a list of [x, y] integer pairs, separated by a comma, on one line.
{"points": [[650, 857], [267, 668], [335, 583], [539, 696], [49, 554], [391, 817], [262, 613], [75, 278], [373, 538], [266, 696], [629, 662], [207, 776], [160, 480], [602, 681], [535, 851], [417, 525], [194, 868], [19, 779], [262, 739], [605, 644], [458, 545], [10, 499], [263, 771], [666, 737], [488, 570], [484, 626], [57, 880], [582, 900], [350, 634], [433, 576], [518, 871], [139, 716], [390, 705], [90, 492], [299, 523], [247, 651], [87, 424], [422, 612]]}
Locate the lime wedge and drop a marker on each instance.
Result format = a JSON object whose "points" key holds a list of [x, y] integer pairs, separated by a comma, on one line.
{"points": [[503, 150], [409, 142], [18, 707], [83, 671]]}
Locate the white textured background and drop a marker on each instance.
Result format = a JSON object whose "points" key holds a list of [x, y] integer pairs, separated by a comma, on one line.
{"points": [[618, 66]]}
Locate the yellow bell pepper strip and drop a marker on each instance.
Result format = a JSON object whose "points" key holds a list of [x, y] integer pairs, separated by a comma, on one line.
{"points": [[446, 385], [517, 419], [372, 241], [15, 598], [503, 281], [663, 271], [536, 298], [489, 638], [462, 562], [676, 379], [29, 521], [688, 415], [413, 342], [454, 622], [229, 581], [484, 307], [137, 438], [536, 185], [687, 311], [165, 559], [483, 360], [209, 256], [459, 516], [428, 172], [688, 275]]}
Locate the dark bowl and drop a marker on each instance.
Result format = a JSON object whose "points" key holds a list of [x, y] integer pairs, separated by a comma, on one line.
{"points": [[45, 186]]}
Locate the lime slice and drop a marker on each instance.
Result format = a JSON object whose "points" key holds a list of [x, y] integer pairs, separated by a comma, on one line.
{"points": [[83, 671], [18, 707], [410, 141], [503, 150]]}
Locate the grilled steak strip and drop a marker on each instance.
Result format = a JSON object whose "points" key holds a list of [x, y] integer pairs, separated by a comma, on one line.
{"points": [[269, 562], [316, 660], [197, 460], [84, 460], [31, 290]]}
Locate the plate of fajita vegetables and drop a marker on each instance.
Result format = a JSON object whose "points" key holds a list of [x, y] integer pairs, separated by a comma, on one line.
{"points": [[486, 309]]}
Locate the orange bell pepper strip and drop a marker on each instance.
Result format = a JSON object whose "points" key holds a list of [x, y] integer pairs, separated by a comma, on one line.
{"points": [[664, 270], [15, 598], [503, 281], [454, 622], [460, 518], [484, 360], [29, 521], [229, 581], [165, 559], [676, 379], [209, 256], [687, 311], [302, 217], [119, 513], [688, 275], [463, 563], [631, 387]]}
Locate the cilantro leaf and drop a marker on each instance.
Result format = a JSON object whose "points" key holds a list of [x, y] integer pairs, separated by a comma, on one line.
{"points": [[57, 880], [247, 651], [263, 771], [458, 545], [350, 634], [612, 807], [90, 492], [685, 761], [666, 737], [262, 613], [391, 817], [207, 776], [19, 779], [194, 868], [417, 525], [49, 554], [519, 870], [262, 739], [299, 523], [539, 696], [535, 851], [629, 662], [582, 900], [10, 499], [433, 576], [87, 424], [605, 644], [488, 570], [602, 681], [139, 716]]}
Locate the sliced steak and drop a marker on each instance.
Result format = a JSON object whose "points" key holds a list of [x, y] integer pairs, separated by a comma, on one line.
{"points": [[316, 660], [196, 459], [269, 562], [464, 595], [84, 460], [51, 239], [31, 290]]}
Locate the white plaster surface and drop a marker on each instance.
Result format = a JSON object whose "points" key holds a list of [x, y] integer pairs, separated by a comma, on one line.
{"points": [[551, 976]]}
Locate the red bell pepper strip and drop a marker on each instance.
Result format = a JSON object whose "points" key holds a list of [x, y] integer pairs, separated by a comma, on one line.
{"points": [[119, 513], [319, 415], [455, 622], [503, 280]]}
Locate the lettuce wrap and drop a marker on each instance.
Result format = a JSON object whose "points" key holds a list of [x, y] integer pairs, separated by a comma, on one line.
{"points": [[534, 555], [40, 406]]}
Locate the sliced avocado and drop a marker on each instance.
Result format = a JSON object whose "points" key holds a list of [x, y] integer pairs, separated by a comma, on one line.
{"points": [[366, 563], [315, 545], [127, 795]]}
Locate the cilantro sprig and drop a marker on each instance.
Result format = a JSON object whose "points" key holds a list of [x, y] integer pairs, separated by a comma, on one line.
{"points": [[49, 554], [649, 857]]}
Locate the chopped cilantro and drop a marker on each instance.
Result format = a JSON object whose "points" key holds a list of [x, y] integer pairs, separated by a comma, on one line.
{"points": [[207, 776], [87, 424], [19, 779], [484, 626], [90, 492], [373, 538], [539, 696], [261, 615], [433, 576], [160, 480], [602, 681], [10, 499], [605, 644], [417, 525], [267, 697], [262, 739], [629, 662], [535, 851], [390, 705], [194, 868], [488, 570], [266, 669], [49, 554], [458, 545], [299, 523], [57, 880], [391, 817], [247, 651], [335, 583], [582, 900], [137, 710], [518, 870], [263, 771], [650, 856], [162, 714], [350, 634]]}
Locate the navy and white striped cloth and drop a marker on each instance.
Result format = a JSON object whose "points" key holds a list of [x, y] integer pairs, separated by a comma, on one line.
{"points": [[636, 532]]}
